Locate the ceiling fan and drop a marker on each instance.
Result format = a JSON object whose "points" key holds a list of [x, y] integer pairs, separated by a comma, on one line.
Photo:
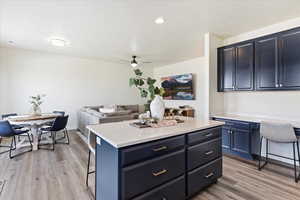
{"points": [[135, 61]]}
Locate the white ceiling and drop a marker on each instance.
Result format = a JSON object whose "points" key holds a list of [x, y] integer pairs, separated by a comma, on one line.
{"points": [[116, 29]]}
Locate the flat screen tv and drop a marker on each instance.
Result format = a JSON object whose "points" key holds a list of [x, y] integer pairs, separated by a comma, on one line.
{"points": [[179, 87]]}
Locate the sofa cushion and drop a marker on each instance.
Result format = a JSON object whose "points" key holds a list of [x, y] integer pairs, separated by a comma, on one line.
{"points": [[118, 113], [133, 108], [107, 110], [94, 112]]}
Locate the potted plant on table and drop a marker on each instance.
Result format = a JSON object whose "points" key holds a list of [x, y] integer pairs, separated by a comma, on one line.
{"points": [[36, 102], [148, 90]]}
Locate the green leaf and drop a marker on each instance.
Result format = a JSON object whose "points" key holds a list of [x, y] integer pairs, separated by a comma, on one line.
{"points": [[143, 92], [131, 82], [141, 82], [138, 72], [150, 81]]}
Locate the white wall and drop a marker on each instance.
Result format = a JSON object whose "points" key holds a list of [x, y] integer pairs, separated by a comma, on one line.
{"points": [[198, 69], [278, 105], [68, 82], [216, 99], [3, 82], [208, 101]]}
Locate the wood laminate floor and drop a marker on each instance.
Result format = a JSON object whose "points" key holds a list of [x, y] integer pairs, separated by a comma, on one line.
{"points": [[60, 175]]}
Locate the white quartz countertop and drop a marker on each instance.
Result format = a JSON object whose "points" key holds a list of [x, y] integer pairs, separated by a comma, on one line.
{"points": [[257, 119], [122, 134]]}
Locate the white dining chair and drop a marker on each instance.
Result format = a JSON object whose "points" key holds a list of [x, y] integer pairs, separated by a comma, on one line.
{"points": [[92, 149], [279, 133]]}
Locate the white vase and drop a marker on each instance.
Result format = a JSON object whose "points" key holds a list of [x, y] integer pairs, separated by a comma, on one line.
{"points": [[157, 108], [36, 110]]}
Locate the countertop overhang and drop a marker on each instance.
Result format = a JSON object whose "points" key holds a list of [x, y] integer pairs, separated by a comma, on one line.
{"points": [[122, 134]]}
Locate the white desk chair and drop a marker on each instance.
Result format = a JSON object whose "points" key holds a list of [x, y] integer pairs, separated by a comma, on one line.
{"points": [[279, 133], [92, 149]]}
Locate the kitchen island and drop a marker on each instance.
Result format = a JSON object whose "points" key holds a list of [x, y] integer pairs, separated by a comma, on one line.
{"points": [[168, 163]]}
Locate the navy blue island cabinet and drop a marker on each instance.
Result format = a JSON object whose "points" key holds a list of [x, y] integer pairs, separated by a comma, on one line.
{"points": [[174, 168], [271, 62]]}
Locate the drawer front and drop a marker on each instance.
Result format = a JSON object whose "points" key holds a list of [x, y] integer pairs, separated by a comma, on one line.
{"points": [[205, 135], [204, 176], [151, 173], [142, 152], [174, 190], [204, 153]]}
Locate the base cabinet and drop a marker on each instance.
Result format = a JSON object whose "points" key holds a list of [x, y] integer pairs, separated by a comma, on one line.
{"points": [[169, 169], [239, 138]]}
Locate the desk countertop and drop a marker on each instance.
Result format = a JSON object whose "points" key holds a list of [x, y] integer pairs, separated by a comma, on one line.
{"points": [[256, 119]]}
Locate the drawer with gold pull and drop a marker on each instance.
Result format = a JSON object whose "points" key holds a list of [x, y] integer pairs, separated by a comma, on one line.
{"points": [[203, 153], [173, 190], [145, 151], [203, 135], [204, 176], [151, 173]]}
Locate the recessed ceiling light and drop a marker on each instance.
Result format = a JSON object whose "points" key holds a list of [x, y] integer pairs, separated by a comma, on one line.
{"points": [[160, 20], [58, 42]]}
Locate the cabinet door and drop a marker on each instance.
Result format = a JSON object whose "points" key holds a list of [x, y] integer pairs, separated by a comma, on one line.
{"points": [[244, 66], [226, 138], [290, 60], [228, 68], [240, 141], [266, 63]]}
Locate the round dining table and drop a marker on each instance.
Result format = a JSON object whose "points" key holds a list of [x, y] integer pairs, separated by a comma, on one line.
{"points": [[34, 123]]}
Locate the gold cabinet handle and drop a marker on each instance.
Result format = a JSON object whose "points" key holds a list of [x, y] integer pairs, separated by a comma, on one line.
{"points": [[159, 173], [160, 148], [209, 175], [209, 152]]}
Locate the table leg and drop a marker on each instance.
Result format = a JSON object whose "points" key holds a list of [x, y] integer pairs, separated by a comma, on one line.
{"points": [[35, 133]]}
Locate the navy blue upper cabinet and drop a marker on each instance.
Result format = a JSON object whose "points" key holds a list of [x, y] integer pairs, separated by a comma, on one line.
{"points": [[266, 63], [275, 58], [289, 59], [236, 66], [244, 66], [227, 71]]}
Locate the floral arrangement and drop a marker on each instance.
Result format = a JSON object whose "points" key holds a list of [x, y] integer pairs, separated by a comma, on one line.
{"points": [[36, 101]]}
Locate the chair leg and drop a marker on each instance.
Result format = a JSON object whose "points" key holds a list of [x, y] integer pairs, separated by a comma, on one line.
{"points": [[260, 167], [298, 177], [88, 169], [53, 139], [267, 150], [29, 142], [295, 165], [11, 147], [67, 134]]}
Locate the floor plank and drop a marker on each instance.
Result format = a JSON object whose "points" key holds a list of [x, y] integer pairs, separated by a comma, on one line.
{"points": [[60, 175]]}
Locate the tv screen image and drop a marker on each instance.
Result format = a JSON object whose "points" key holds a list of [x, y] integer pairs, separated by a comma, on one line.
{"points": [[178, 87]]}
